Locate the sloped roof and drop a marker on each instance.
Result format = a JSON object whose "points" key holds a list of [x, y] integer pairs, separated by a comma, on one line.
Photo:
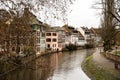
{"points": [[92, 31], [96, 30], [80, 36], [32, 18], [59, 28], [68, 29], [51, 29], [86, 30]]}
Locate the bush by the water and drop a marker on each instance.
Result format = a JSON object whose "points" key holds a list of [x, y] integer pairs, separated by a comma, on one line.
{"points": [[71, 47], [89, 46]]}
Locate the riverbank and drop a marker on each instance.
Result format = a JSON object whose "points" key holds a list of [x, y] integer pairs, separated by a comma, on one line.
{"points": [[57, 66], [93, 67], [10, 65]]}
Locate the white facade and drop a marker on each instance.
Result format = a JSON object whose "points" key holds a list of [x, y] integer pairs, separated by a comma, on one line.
{"points": [[81, 42], [97, 37], [68, 39], [74, 39], [86, 36], [61, 38]]}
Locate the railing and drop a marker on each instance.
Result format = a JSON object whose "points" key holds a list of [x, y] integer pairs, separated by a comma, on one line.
{"points": [[113, 57]]}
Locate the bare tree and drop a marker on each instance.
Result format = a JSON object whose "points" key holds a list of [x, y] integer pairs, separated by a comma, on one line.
{"points": [[5, 20], [108, 31], [116, 14], [17, 30], [46, 9]]}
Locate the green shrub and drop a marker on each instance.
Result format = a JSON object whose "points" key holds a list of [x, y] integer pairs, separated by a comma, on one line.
{"points": [[89, 46], [65, 49], [71, 47]]}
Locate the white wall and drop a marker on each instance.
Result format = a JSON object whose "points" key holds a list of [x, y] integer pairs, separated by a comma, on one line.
{"points": [[67, 40], [74, 39], [81, 42]]}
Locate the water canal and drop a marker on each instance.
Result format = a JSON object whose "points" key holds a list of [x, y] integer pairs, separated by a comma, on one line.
{"points": [[58, 66]]}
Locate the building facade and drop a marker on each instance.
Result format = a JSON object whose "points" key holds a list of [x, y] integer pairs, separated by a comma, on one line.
{"points": [[55, 39], [52, 40], [39, 35], [86, 34]]}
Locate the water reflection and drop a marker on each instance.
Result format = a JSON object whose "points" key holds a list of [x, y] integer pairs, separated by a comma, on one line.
{"points": [[58, 66]]}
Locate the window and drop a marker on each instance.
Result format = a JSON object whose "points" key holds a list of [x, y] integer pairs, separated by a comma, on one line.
{"points": [[54, 40], [38, 48], [48, 40], [54, 34], [59, 45], [48, 45], [42, 41], [13, 41], [38, 33], [43, 34], [13, 48], [48, 34], [18, 49], [38, 40], [53, 45]]}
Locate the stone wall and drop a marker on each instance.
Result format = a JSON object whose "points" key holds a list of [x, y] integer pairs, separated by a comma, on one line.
{"points": [[113, 57]]}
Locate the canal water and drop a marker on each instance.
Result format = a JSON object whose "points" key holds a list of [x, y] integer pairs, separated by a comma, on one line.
{"points": [[57, 66]]}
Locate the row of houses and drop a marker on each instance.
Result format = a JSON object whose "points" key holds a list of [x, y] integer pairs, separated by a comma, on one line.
{"points": [[57, 38]]}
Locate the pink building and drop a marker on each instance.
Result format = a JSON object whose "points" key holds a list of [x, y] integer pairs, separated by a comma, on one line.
{"points": [[52, 40]]}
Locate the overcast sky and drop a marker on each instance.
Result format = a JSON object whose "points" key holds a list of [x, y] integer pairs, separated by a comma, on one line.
{"points": [[83, 14]]}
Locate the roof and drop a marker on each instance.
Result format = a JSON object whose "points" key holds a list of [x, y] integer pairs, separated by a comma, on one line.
{"points": [[51, 29], [31, 16], [92, 31], [75, 31], [96, 30], [86, 30], [68, 29], [37, 26], [59, 28], [80, 36]]}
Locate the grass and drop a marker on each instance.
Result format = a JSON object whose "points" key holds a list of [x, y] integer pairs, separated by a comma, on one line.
{"points": [[96, 72], [117, 53]]}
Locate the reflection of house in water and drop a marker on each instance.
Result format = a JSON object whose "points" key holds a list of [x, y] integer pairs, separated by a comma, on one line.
{"points": [[54, 63], [41, 69]]}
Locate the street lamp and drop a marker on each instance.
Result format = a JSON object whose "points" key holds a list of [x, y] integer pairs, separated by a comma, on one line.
{"points": [[116, 64]]}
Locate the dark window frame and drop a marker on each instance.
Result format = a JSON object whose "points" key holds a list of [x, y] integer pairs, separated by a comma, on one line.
{"points": [[48, 34], [54, 34], [48, 40], [54, 40]]}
